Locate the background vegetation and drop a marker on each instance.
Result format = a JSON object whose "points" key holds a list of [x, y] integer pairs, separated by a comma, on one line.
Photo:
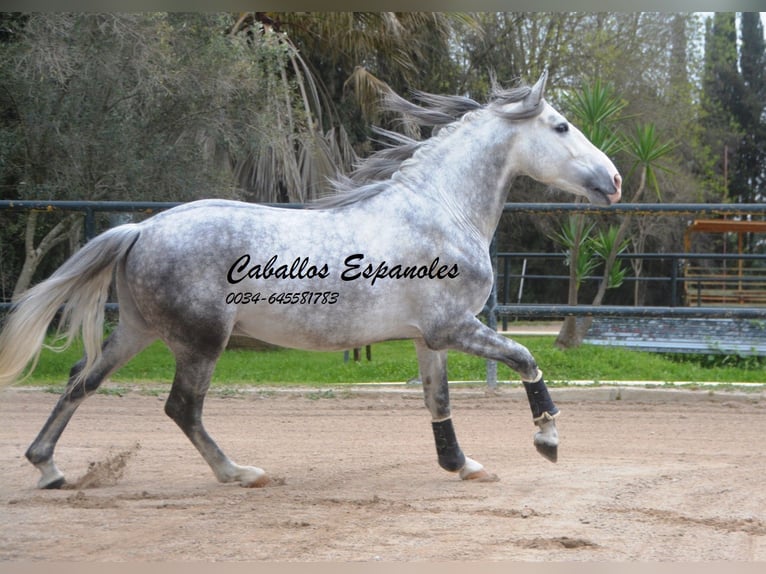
{"points": [[265, 107]]}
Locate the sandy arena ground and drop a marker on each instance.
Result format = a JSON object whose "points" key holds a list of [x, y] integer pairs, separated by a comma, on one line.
{"points": [[657, 475]]}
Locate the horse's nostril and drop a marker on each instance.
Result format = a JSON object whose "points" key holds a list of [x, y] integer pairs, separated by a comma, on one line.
{"points": [[617, 181]]}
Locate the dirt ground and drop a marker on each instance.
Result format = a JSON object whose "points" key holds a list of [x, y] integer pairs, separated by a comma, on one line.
{"points": [[643, 475]]}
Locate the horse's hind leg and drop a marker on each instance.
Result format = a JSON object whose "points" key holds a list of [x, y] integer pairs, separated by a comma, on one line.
{"points": [[184, 405], [121, 345], [433, 375]]}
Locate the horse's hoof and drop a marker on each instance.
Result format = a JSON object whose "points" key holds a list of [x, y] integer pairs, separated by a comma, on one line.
{"points": [[54, 484], [260, 482], [548, 451], [481, 476]]}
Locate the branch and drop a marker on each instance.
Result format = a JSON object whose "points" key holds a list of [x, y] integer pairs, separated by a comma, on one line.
{"points": [[33, 255]]}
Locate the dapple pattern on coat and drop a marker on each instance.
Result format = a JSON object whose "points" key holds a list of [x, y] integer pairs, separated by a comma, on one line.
{"points": [[430, 207]]}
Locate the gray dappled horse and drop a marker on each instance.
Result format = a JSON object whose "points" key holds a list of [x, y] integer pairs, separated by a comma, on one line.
{"points": [[401, 252]]}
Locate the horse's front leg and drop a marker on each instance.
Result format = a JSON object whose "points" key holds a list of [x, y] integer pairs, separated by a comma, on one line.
{"points": [[477, 339], [433, 375]]}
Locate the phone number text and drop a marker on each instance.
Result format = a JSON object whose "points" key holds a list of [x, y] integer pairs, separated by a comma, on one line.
{"points": [[285, 298]]}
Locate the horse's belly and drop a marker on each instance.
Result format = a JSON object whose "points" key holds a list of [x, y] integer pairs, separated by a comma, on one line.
{"points": [[321, 329]]}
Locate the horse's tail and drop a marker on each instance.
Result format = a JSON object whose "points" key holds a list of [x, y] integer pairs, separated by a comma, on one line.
{"points": [[81, 286]]}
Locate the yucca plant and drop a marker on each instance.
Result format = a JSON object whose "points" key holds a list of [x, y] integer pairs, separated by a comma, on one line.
{"points": [[577, 247], [603, 245], [594, 249], [597, 109], [645, 146]]}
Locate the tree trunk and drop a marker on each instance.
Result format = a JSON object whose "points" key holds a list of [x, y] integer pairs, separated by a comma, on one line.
{"points": [[584, 323], [568, 334], [639, 245], [34, 255]]}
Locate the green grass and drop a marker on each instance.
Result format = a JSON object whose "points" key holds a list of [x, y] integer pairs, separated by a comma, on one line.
{"points": [[395, 361]]}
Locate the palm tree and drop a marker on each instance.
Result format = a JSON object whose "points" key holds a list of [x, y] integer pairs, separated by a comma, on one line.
{"points": [[337, 67]]}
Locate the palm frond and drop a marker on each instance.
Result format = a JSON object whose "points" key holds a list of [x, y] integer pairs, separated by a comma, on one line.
{"points": [[368, 91]]}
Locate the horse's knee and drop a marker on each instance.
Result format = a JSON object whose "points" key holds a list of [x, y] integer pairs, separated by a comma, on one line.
{"points": [[524, 363], [436, 398]]}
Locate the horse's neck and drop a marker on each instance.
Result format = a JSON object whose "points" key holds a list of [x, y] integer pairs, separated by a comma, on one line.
{"points": [[468, 173]]}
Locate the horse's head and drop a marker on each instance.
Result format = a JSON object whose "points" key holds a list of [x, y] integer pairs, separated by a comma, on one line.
{"points": [[553, 151]]}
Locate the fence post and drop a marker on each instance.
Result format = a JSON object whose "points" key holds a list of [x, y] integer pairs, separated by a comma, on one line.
{"points": [[674, 282], [90, 223], [506, 286]]}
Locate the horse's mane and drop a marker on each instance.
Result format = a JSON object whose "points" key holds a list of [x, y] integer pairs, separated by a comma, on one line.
{"points": [[371, 176]]}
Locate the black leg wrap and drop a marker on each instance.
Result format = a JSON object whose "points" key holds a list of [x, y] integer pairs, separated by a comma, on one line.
{"points": [[540, 401], [450, 456]]}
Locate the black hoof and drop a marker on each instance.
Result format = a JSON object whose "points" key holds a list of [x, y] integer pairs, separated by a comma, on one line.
{"points": [[55, 485], [549, 452]]}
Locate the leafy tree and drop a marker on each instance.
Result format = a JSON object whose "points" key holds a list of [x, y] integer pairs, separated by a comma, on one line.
{"points": [[146, 106], [179, 106]]}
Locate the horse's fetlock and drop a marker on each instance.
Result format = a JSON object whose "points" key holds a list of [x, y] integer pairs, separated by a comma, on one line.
{"points": [[452, 463], [35, 456]]}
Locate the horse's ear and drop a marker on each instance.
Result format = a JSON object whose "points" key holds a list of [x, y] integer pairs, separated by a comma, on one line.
{"points": [[536, 93]]}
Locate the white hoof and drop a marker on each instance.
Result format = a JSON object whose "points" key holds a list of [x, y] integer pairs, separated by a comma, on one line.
{"points": [[547, 440], [476, 471], [252, 477], [52, 477]]}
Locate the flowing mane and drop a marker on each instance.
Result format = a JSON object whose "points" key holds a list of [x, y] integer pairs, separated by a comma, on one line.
{"points": [[371, 175]]}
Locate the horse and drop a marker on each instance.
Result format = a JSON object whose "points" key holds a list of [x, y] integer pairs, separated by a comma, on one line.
{"points": [[401, 251]]}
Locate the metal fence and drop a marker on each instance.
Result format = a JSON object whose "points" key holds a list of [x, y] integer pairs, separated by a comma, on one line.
{"points": [[495, 309]]}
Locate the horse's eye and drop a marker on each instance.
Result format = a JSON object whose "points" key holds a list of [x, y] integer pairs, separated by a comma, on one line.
{"points": [[562, 128]]}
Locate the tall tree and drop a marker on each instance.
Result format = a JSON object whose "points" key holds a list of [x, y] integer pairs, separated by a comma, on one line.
{"points": [[748, 180], [723, 92]]}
